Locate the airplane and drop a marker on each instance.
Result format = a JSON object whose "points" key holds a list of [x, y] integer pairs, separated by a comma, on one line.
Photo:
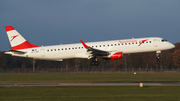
{"points": [[109, 50]]}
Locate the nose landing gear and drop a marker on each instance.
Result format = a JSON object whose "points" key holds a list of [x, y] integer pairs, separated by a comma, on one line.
{"points": [[158, 53]]}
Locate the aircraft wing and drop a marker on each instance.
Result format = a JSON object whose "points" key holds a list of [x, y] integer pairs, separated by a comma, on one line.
{"points": [[95, 52]]}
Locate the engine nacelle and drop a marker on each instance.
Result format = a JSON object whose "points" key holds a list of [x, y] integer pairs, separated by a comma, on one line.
{"points": [[115, 55]]}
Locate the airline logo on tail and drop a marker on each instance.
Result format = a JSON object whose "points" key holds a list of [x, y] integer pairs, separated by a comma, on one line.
{"points": [[19, 42], [12, 38]]}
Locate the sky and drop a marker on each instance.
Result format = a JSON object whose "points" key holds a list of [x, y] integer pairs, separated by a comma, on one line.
{"points": [[53, 22]]}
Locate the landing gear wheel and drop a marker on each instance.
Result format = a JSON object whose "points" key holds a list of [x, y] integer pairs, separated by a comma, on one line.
{"points": [[96, 63], [92, 63]]}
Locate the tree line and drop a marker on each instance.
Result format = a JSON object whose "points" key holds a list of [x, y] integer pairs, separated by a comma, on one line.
{"points": [[167, 60]]}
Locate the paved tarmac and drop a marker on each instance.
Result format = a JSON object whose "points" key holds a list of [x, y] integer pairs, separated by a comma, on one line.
{"points": [[94, 84]]}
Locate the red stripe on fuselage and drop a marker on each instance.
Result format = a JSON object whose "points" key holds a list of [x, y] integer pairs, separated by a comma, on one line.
{"points": [[143, 41], [24, 45], [9, 28]]}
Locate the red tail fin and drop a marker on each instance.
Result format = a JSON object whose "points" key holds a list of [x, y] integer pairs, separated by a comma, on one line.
{"points": [[16, 40]]}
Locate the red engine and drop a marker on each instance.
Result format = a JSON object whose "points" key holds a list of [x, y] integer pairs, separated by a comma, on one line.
{"points": [[115, 55]]}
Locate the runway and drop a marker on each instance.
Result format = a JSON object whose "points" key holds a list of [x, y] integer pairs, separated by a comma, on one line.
{"points": [[93, 84]]}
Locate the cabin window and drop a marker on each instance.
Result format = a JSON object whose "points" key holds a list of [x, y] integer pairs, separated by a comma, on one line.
{"points": [[79, 47], [51, 50], [111, 44], [118, 44], [129, 43], [99, 45], [107, 45], [54, 49], [72, 48], [149, 41], [104, 45], [125, 43], [48, 50], [65, 48]]}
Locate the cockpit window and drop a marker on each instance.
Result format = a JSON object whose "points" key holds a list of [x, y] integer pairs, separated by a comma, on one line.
{"points": [[164, 40]]}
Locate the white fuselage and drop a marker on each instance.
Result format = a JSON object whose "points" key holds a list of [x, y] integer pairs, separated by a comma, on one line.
{"points": [[127, 46]]}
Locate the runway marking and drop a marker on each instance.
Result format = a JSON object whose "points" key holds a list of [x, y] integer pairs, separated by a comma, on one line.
{"points": [[93, 84]]}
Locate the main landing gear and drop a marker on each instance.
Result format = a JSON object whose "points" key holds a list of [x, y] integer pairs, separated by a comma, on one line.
{"points": [[94, 63]]}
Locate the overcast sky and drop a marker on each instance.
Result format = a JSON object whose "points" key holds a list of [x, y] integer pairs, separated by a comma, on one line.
{"points": [[52, 22]]}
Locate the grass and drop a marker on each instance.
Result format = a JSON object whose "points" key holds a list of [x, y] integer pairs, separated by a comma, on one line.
{"points": [[91, 77], [90, 93]]}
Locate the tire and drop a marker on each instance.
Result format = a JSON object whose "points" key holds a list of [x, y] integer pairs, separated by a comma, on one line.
{"points": [[92, 63], [96, 63]]}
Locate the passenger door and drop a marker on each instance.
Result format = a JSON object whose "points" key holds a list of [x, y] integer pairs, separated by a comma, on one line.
{"points": [[42, 52], [155, 42]]}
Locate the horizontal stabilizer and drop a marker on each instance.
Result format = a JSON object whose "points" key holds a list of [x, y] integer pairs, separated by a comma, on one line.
{"points": [[15, 52]]}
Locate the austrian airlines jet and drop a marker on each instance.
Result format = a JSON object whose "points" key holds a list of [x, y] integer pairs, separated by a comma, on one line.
{"points": [[109, 50]]}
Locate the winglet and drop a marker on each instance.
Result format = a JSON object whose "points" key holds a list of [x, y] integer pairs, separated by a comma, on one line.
{"points": [[85, 44]]}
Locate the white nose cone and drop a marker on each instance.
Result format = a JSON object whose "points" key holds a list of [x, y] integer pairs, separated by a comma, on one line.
{"points": [[172, 45]]}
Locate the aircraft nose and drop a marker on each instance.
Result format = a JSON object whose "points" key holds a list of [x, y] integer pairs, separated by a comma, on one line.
{"points": [[172, 45]]}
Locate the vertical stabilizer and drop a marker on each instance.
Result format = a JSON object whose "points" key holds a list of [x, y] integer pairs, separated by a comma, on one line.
{"points": [[16, 40]]}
